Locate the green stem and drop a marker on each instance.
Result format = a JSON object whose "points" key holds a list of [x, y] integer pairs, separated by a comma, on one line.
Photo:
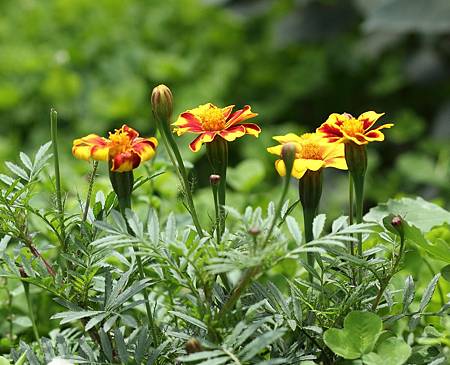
{"points": [[26, 287], [91, 185], [214, 189], [252, 272], [310, 191], [350, 209], [54, 136], [217, 152], [122, 183], [184, 176]]}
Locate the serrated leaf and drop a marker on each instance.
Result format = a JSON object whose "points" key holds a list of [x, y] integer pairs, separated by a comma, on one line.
{"points": [[254, 347], [318, 225], [17, 170], [428, 293], [294, 229], [121, 346], [408, 293], [153, 227], [106, 345], [196, 322], [134, 223]]}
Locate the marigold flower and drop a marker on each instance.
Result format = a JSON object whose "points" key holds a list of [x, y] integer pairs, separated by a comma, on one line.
{"points": [[209, 121], [313, 153], [345, 127], [123, 148]]}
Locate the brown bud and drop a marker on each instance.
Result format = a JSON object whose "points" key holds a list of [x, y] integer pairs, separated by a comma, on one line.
{"points": [[22, 272], [396, 221], [162, 103], [254, 231], [193, 345], [214, 179]]}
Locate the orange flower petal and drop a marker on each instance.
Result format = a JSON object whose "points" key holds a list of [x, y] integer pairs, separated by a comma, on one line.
{"points": [[227, 111], [91, 146], [230, 134], [368, 119], [252, 129], [187, 122], [205, 137], [125, 161], [145, 148], [132, 133], [330, 131], [240, 115]]}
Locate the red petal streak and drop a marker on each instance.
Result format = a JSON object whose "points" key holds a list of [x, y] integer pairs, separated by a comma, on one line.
{"points": [[132, 133], [252, 129], [330, 131], [230, 134], [240, 116], [192, 122], [206, 137], [125, 161]]}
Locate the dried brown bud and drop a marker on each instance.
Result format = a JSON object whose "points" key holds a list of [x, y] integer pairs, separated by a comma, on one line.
{"points": [[214, 179], [254, 231], [162, 103], [193, 345], [396, 221], [22, 272]]}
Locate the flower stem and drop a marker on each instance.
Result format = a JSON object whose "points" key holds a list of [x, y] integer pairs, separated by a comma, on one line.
{"points": [[254, 271], [122, 183], [350, 209], [91, 185], [26, 287], [310, 191], [217, 152], [164, 127], [54, 136]]}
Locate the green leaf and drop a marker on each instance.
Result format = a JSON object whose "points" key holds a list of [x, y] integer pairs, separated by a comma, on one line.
{"points": [[428, 293], [246, 175], [445, 272], [318, 224], [392, 351], [190, 319], [4, 361], [260, 343], [422, 214], [294, 229], [121, 346], [408, 293], [358, 337]]}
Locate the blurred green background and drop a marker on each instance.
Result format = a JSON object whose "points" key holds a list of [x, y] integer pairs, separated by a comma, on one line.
{"points": [[294, 61]]}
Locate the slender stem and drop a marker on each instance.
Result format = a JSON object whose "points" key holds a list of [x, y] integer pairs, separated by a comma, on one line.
{"points": [[184, 175], [216, 211], [26, 287], [91, 185], [359, 195], [350, 209], [252, 272], [54, 135]]}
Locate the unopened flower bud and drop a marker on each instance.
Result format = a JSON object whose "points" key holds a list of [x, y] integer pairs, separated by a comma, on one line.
{"points": [[193, 345], [396, 221], [254, 231], [162, 103], [214, 179], [22, 272], [288, 156]]}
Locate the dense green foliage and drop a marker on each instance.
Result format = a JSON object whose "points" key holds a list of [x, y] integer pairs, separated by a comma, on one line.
{"points": [[295, 62]]}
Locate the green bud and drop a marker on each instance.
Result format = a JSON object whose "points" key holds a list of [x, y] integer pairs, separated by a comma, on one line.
{"points": [[288, 156], [162, 103]]}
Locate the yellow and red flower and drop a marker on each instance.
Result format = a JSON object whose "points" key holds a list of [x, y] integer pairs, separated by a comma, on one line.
{"points": [[313, 152], [344, 128], [209, 121], [123, 148]]}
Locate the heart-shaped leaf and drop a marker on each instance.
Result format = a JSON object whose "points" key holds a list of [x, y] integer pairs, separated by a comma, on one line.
{"points": [[392, 351], [358, 337]]}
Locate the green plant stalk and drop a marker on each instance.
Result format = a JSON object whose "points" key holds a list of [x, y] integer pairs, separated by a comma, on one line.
{"points": [[54, 137], [217, 152], [252, 272], [310, 192], [91, 185], [165, 129], [214, 189], [359, 199], [350, 209], [122, 183], [26, 287], [384, 284]]}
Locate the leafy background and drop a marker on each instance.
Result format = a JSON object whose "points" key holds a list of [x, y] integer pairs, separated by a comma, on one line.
{"points": [[294, 61]]}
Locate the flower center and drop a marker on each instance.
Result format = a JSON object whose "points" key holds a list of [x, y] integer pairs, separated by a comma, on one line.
{"points": [[212, 118], [311, 151], [352, 126], [121, 141]]}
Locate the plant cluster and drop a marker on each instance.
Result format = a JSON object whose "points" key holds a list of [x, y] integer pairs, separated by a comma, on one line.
{"points": [[137, 287]]}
